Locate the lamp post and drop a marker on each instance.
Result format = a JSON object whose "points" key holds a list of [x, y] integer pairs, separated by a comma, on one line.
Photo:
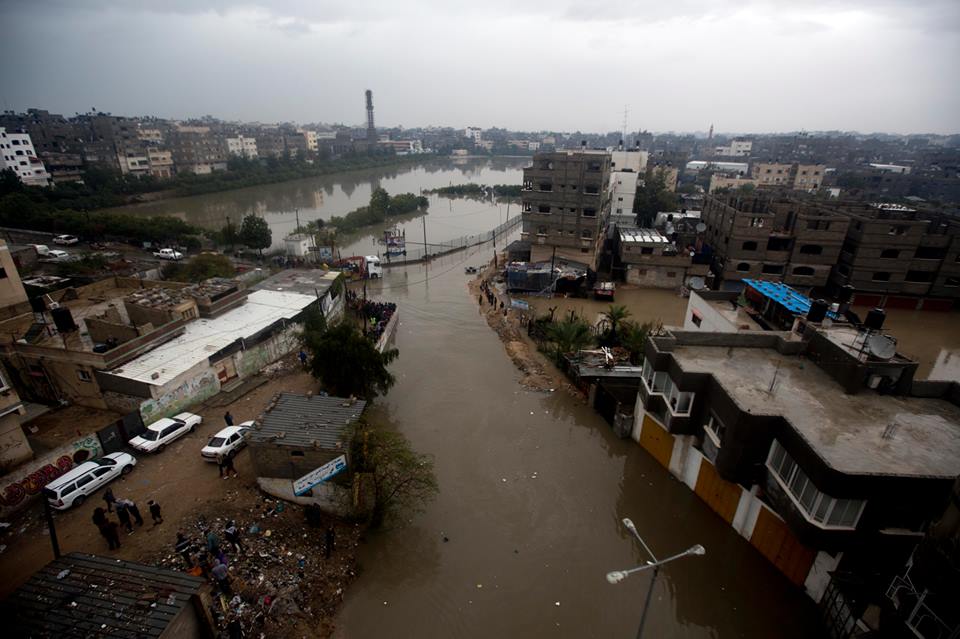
{"points": [[616, 576]]}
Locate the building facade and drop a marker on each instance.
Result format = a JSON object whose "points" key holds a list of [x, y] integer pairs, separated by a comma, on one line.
{"points": [[20, 157], [243, 147], [564, 202]]}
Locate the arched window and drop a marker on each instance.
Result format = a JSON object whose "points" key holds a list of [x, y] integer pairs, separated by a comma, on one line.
{"points": [[803, 270]]}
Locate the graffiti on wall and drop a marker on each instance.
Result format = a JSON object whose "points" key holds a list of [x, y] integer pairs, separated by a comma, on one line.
{"points": [[254, 359], [19, 487], [192, 390]]}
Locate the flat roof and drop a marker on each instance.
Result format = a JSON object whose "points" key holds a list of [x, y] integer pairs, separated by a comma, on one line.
{"points": [[204, 337], [311, 282], [82, 595], [847, 431], [305, 419]]}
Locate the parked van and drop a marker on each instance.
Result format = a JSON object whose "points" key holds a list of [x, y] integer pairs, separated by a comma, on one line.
{"points": [[72, 488]]}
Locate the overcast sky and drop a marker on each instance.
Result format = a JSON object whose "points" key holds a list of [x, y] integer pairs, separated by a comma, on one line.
{"points": [[743, 65]]}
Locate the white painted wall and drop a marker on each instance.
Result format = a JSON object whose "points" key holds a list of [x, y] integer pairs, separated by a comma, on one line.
{"points": [[710, 318]]}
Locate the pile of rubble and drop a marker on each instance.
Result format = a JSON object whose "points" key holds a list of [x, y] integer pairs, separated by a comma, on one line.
{"points": [[281, 583]]}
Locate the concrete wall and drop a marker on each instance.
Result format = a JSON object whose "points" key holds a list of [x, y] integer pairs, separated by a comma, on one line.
{"points": [[19, 488], [288, 462], [14, 447], [186, 625], [656, 276], [11, 288], [195, 385], [710, 318], [101, 330]]}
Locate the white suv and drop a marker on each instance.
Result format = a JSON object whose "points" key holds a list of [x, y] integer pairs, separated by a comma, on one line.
{"points": [[73, 487]]}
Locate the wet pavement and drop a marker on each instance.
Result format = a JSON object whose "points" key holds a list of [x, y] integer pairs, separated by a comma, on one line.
{"points": [[532, 490]]}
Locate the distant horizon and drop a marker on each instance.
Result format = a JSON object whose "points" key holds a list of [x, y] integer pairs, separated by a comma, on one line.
{"points": [[362, 125]]}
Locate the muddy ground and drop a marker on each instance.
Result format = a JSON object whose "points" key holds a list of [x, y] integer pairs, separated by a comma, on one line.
{"points": [[188, 489]]}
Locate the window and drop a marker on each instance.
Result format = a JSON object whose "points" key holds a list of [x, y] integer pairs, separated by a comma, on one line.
{"points": [[920, 276], [83, 376], [671, 273], [749, 246], [899, 229], [803, 271], [541, 230], [890, 254], [811, 249], [589, 212], [646, 250], [695, 319], [3, 273], [818, 225], [546, 186], [930, 253], [586, 234], [86, 479], [543, 208], [591, 189], [743, 267], [715, 430], [772, 269], [593, 166], [881, 276], [100, 472], [818, 507], [756, 222]]}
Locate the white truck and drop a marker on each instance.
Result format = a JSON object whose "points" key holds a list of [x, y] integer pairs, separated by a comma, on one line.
{"points": [[373, 268], [168, 254]]}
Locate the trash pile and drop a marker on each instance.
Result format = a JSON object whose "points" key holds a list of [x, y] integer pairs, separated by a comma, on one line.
{"points": [[279, 583]]}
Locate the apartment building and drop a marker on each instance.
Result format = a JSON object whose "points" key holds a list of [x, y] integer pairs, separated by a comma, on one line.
{"points": [[801, 177], [161, 163], [895, 255], [20, 157], [737, 148], [196, 150], [668, 172], [770, 237], [651, 260], [728, 181], [564, 205], [243, 147]]}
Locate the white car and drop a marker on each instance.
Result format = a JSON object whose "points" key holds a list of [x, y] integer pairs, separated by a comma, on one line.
{"points": [[73, 487], [56, 255], [227, 442], [66, 240], [163, 431]]}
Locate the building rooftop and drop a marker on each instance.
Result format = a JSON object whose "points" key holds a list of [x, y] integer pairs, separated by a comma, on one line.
{"points": [[82, 595], [311, 282], [303, 420], [866, 433], [204, 337]]}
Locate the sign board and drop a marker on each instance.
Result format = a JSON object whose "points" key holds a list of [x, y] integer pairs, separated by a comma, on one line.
{"points": [[521, 304], [319, 475]]}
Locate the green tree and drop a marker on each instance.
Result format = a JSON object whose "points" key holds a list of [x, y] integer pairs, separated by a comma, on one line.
{"points": [[345, 361], [229, 235], [569, 335], [203, 267], [256, 233], [614, 315], [403, 480], [653, 197], [379, 203]]}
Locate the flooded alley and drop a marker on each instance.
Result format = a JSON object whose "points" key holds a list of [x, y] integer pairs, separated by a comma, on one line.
{"points": [[532, 490]]}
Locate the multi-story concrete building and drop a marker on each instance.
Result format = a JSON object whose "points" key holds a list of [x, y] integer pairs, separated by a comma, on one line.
{"points": [[896, 256], [669, 173], [773, 238], [473, 133], [736, 148], [808, 177], [134, 162], [729, 181], [311, 138], [651, 260], [801, 177], [161, 163], [19, 155], [564, 204], [244, 147], [196, 150]]}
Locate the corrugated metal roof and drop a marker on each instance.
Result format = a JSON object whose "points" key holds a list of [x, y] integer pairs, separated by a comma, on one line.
{"points": [[204, 337], [785, 296], [100, 597], [304, 420]]}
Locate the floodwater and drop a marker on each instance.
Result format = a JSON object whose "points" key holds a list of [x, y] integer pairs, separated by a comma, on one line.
{"points": [[532, 490], [326, 196]]}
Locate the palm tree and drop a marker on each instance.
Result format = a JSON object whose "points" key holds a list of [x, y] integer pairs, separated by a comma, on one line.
{"points": [[633, 336], [615, 315], [570, 335]]}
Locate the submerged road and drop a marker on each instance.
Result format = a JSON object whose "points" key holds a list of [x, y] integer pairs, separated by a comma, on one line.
{"points": [[532, 490]]}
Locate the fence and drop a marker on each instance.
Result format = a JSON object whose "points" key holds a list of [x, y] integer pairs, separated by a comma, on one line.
{"points": [[436, 249]]}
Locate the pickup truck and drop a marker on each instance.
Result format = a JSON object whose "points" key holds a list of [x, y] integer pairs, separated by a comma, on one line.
{"points": [[168, 254]]}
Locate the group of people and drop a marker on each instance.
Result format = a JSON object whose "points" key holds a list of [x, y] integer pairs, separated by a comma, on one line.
{"points": [[377, 315], [208, 557], [491, 295], [127, 514]]}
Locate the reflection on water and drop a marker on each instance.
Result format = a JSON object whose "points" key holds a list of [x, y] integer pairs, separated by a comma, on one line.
{"points": [[324, 197], [532, 490], [931, 338]]}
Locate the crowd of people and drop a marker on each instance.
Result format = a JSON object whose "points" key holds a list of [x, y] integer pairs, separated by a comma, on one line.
{"points": [[376, 315], [128, 514]]}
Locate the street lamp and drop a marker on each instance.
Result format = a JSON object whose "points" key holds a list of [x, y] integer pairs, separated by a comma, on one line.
{"points": [[616, 576]]}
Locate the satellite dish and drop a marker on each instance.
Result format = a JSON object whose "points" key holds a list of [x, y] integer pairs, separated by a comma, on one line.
{"points": [[696, 283], [701, 227], [882, 346]]}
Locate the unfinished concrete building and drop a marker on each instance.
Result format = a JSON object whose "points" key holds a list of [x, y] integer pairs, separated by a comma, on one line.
{"points": [[772, 237], [564, 205]]}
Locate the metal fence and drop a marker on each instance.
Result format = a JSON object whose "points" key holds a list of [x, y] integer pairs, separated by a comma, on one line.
{"points": [[449, 246]]}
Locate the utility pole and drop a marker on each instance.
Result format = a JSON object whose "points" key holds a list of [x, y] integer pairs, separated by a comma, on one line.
{"points": [[297, 213], [553, 261], [495, 267], [51, 527], [426, 251]]}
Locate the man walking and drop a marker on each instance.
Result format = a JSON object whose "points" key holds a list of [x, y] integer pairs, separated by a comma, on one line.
{"points": [[213, 543], [228, 468], [109, 498], [183, 547], [124, 516], [223, 578], [111, 532], [232, 533], [228, 418], [99, 517], [155, 512]]}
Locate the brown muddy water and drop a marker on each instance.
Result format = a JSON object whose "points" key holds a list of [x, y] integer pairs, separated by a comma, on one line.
{"points": [[532, 490]]}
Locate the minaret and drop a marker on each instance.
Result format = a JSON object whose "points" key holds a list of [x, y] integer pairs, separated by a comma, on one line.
{"points": [[709, 135]]}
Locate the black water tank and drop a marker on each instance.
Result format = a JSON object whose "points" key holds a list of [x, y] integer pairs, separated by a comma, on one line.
{"points": [[63, 319], [818, 311], [38, 304], [875, 318], [845, 293]]}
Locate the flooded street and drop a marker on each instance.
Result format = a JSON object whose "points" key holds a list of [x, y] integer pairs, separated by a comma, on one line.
{"points": [[532, 490]]}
